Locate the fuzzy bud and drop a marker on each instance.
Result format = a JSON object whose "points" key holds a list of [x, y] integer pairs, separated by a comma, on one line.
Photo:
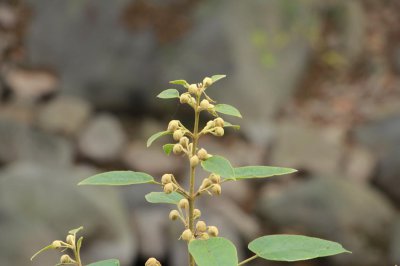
{"points": [[219, 122], [187, 235], [192, 88], [168, 188], [210, 124], [184, 203], [65, 259], [184, 98], [152, 262], [177, 149], [218, 131], [178, 134], [56, 244], [213, 231], [173, 125], [194, 161], [70, 240], [174, 215], [216, 179], [207, 82], [204, 236], [201, 227], [196, 213], [206, 183], [204, 104], [216, 189], [184, 141], [166, 178], [202, 154]]}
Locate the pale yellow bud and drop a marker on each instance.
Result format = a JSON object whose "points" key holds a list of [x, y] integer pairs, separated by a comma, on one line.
{"points": [[177, 149], [192, 88], [204, 104], [213, 231], [216, 189], [210, 124], [65, 259], [219, 131], [207, 82], [196, 213], [219, 122], [166, 178], [178, 134], [152, 262], [184, 98], [168, 188], [204, 236], [194, 161], [216, 179], [184, 203], [56, 244], [187, 235], [206, 182], [173, 125], [201, 227], [70, 240], [184, 141], [174, 215], [202, 154]]}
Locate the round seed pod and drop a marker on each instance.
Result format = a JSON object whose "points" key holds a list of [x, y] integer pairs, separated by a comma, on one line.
{"points": [[218, 131], [204, 104], [168, 188], [213, 231], [187, 235], [184, 98], [65, 259], [56, 244], [152, 262], [178, 134], [184, 203], [174, 215], [194, 161], [192, 88], [216, 179], [207, 82], [216, 189], [177, 149], [196, 213], [219, 122], [201, 227], [202, 154], [166, 178], [70, 239], [173, 125]]}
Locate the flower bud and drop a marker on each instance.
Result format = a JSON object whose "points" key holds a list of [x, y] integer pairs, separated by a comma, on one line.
{"points": [[204, 104], [202, 154], [184, 141], [177, 149], [201, 227], [216, 189], [219, 122], [207, 82], [65, 259], [184, 98], [166, 178], [194, 161], [174, 215], [210, 124], [152, 262], [70, 240], [192, 88], [56, 244], [187, 235], [218, 131], [206, 182], [184, 203], [196, 213], [178, 134], [213, 231], [168, 188], [216, 179], [173, 125]]}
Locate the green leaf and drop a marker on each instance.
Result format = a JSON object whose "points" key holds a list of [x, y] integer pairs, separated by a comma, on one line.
{"points": [[215, 78], [168, 148], [180, 82], [112, 262], [228, 110], [169, 94], [218, 165], [227, 124], [216, 251], [294, 247], [75, 231], [260, 172], [161, 197], [118, 178], [79, 244], [156, 136]]}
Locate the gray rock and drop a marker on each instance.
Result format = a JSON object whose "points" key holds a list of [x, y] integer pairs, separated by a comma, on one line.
{"points": [[39, 204], [103, 139], [65, 115], [19, 142], [356, 216]]}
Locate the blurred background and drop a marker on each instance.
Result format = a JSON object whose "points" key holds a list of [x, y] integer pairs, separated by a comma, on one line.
{"points": [[317, 83]]}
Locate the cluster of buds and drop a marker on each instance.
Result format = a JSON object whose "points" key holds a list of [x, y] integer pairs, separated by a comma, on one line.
{"points": [[152, 262], [167, 180], [205, 232], [211, 183], [215, 127]]}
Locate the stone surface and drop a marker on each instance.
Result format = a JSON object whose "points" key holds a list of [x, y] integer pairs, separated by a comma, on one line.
{"points": [[65, 115], [39, 204], [102, 139], [354, 215]]}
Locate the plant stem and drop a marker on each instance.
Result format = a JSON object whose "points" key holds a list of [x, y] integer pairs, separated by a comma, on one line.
{"points": [[192, 194], [77, 257], [248, 260]]}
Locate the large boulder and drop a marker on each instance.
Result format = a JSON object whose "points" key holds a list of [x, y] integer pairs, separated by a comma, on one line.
{"points": [[354, 215]]}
